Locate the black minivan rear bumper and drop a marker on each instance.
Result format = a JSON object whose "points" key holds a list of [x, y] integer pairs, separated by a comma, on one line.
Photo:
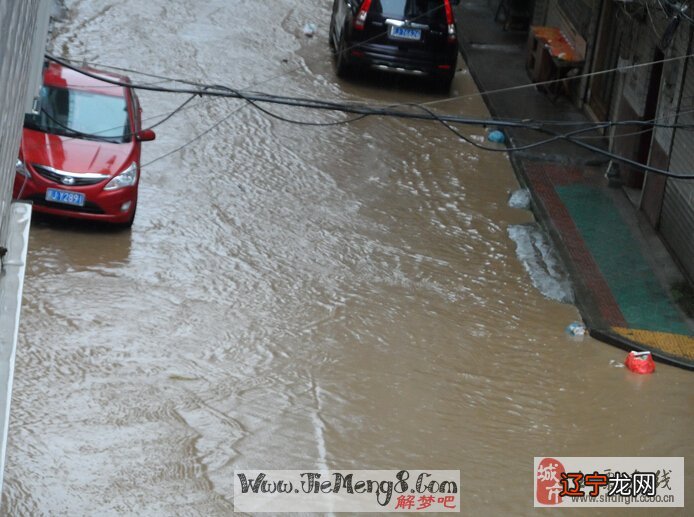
{"points": [[393, 59]]}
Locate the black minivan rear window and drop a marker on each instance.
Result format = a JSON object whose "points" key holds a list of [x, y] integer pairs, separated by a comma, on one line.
{"points": [[410, 9]]}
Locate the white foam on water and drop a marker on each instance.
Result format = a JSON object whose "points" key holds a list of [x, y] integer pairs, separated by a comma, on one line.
{"points": [[520, 199], [540, 260]]}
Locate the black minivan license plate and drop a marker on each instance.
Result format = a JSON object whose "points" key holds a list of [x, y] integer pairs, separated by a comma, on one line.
{"points": [[406, 33]]}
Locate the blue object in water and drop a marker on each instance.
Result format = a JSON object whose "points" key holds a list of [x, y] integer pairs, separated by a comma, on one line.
{"points": [[576, 329], [496, 136]]}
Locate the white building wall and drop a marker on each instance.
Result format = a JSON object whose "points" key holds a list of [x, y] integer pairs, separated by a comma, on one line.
{"points": [[22, 23]]}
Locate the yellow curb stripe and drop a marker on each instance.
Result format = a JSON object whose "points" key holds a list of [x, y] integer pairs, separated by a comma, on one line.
{"points": [[674, 344]]}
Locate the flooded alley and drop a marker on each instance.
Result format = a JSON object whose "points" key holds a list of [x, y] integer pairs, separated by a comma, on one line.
{"points": [[296, 296]]}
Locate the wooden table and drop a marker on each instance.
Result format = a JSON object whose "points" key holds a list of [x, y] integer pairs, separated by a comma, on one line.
{"points": [[552, 57]]}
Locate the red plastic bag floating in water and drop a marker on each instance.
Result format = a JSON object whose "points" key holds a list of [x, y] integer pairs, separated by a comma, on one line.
{"points": [[640, 362]]}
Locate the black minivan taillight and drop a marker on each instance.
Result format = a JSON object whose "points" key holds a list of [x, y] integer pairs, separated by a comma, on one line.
{"points": [[360, 20], [450, 22]]}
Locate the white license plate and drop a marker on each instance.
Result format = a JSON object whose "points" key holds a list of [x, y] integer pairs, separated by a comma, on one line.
{"points": [[406, 33], [66, 197]]}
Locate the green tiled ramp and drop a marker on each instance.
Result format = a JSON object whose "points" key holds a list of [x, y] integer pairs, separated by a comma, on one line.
{"points": [[642, 300]]}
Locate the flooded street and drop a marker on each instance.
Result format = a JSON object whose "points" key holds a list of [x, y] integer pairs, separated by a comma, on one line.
{"points": [[299, 297]]}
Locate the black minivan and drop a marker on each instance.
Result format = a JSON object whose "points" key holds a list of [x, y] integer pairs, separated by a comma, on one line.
{"points": [[416, 37]]}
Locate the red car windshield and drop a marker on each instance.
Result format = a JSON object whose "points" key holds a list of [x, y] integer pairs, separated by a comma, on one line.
{"points": [[81, 114]]}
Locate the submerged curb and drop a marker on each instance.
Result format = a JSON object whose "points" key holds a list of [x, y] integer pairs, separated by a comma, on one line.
{"points": [[614, 339]]}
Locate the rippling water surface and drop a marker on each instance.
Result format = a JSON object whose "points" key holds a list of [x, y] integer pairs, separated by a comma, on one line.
{"points": [[299, 297]]}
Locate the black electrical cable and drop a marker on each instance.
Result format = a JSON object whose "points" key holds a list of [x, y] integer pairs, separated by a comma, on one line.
{"points": [[627, 161], [254, 98], [507, 149], [525, 121], [288, 120], [293, 101], [162, 78], [360, 109], [195, 83], [126, 136], [174, 112], [570, 138], [74, 133], [559, 136], [195, 138]]}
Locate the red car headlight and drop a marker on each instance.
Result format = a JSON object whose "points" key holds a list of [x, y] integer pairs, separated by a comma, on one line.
{"points": [[21, 169], [127, 178]]}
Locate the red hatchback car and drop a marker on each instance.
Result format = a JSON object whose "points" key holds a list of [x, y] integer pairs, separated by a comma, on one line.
{"points": [[80, 152]]}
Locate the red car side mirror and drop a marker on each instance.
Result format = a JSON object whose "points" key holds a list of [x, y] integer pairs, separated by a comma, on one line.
{"points": [[146, 135]]}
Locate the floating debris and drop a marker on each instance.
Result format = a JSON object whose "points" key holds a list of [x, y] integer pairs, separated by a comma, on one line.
{"points": [[576, 329], [496, 136], [520, 199], [640, 362]]}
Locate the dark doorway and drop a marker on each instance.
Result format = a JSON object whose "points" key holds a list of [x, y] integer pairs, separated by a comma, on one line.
{"points": [[649, 113]]}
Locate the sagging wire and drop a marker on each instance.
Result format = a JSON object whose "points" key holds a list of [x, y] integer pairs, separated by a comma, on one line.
{"points": [[234, 91], [526, 147], [285, 119], [363, 111], [126, 136], [570, 137], [554, 81], [223, 91], [195, 138], [195, 83]]}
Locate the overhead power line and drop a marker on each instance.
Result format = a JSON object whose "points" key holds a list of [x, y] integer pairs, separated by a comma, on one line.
{"points": [[362, 111]]}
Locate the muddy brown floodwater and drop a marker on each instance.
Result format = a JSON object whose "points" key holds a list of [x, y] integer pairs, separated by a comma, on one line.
{"points": [[299, 297]]}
